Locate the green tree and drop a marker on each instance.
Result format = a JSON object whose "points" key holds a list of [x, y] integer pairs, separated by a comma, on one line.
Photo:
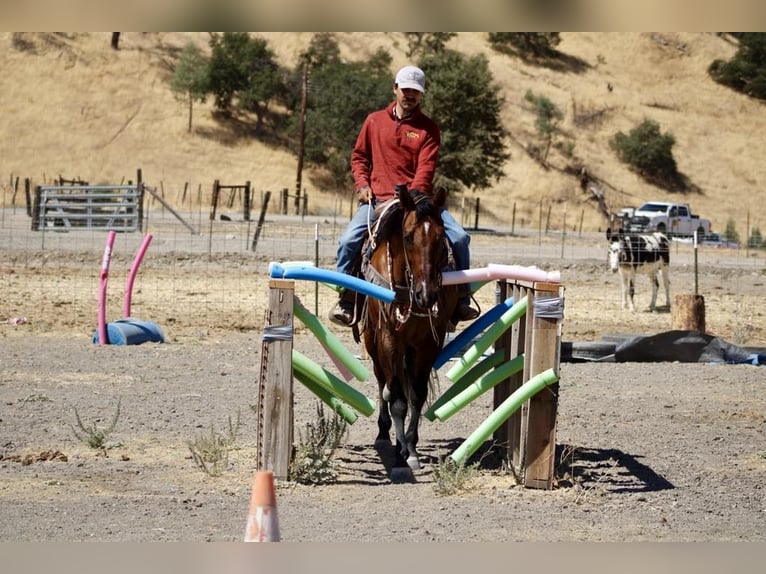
{"points": [[649, 152], [243, 72], [731, 233], [190, 77], [340, 95], [463, 100], [547, 122], [746, 71], [524, 43], [756, 241], [422, 43]]}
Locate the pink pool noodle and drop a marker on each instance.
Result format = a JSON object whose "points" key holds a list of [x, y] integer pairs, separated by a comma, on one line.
{"points": [[132, 275], [102, 290], [497, 271]]}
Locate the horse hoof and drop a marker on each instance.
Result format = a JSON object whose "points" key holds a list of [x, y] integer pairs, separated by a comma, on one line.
{"points": [[400, 474], [413, 463]]}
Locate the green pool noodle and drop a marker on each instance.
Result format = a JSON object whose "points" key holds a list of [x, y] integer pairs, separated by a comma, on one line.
{"points": [[333, 384], [490, 336], [479, 387], [327, 398], [330, 342], [501, 414], [476, 371]]}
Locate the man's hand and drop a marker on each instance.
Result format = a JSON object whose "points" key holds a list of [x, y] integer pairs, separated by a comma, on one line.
{"points": [[365, 194]]}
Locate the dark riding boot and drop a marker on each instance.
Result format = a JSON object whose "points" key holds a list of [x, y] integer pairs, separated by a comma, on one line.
{"points": [[464, 311], [343, 312]]}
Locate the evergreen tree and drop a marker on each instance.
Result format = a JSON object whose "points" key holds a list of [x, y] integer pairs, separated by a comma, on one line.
{"points": [[462, 99], [190, 77], [648, 151], [731, 233], [340, 95], [421, 43], [524, 43], [746, 71], [756, 241], [547, 123], [243, 71]]}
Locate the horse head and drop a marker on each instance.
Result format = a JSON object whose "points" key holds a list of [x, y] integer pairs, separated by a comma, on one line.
{"points": [[424, 245]]}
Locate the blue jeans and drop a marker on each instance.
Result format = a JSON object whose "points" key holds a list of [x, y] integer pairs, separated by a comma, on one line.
{"points": [[351, 240]]}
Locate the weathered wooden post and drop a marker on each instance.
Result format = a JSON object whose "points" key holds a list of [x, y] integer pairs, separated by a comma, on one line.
{"points": [[247, 201], [546, 312], [508, 435], [275, 389], [214, 200]]}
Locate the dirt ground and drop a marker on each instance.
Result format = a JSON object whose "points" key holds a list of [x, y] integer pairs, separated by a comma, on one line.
{"points": [[653, 452]]}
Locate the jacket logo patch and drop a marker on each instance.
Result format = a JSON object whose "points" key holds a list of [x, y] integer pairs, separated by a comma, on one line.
{"points": [[412, 135]]}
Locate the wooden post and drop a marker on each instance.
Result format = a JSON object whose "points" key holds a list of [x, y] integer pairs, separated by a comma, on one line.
{"points": [[36, 209], [503, 389], [28, 195], [526, 290], [264, 208], [247, 201], [214, 200], [688, 312], [513, 341], [541, 420], [275, 390]]}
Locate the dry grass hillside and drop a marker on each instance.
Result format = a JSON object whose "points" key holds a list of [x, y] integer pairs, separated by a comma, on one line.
{"points": [[73, 106]]}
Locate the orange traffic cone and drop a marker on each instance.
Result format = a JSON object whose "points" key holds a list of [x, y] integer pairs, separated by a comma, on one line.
{"points": [[262, 521]]}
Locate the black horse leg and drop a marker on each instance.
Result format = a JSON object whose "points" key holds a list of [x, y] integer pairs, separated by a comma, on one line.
{"points": [[384, 419], [411, 437], [398, 413]]}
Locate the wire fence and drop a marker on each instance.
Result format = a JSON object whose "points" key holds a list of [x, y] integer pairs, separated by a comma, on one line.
{"points": [[203, 273]]}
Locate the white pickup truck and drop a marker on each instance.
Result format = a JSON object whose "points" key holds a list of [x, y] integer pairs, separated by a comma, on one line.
{"points": [[673, 219]]}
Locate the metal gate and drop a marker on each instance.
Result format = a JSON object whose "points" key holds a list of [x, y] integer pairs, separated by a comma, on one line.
{"points": [[66, 207]]}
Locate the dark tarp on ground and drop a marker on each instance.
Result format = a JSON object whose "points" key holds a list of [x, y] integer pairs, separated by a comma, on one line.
{"points": [[684, 347], [670, 346]]}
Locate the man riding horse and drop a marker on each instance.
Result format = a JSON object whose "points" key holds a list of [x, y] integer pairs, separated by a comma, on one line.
{"points": [[396, 145]]}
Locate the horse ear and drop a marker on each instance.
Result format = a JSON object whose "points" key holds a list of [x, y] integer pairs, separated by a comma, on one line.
{"points": [[440, 197], [405, 199]]}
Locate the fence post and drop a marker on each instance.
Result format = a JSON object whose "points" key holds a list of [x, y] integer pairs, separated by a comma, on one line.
{"points": [[214, 200], [36, 209], [264, 208], [541, 417], [275, 390], [28, 195], [520, 343], [247, 201]]}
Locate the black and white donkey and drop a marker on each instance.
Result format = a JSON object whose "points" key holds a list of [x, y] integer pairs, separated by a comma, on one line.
{"points": [[648, 254]]}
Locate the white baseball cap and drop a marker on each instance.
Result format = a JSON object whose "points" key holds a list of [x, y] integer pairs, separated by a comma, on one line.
{"points": [[411, 77]]}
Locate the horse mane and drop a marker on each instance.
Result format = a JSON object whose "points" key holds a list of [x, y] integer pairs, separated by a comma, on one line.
{"points": [[394, 214]]}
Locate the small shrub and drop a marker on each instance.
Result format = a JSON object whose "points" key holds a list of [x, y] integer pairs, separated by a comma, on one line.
{"points": [[211, 452], [649, 152], [755, 241], [731, 233], [93, 435], [313, 462], [451, 477], [34, 398]]}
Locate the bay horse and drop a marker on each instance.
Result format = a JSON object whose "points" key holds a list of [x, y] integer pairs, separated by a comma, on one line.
{"points": [[407, 254]]}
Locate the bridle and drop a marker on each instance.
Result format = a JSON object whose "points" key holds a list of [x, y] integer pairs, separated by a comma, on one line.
{"points": [[404, 305]]}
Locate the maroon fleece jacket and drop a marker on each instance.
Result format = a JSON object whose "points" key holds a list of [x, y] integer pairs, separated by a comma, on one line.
{"points": [[389, 151]]}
